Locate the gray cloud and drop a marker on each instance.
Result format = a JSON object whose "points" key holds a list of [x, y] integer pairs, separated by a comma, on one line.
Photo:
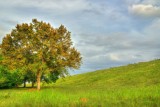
{"points": [[58, 6], [153, 2], [100, 51]]}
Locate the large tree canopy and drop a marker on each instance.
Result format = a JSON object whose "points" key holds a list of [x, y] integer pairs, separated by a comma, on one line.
{"points": [[40, 48]]}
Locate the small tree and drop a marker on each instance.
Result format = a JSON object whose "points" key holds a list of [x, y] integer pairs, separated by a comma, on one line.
{"points": [[40, 48]]}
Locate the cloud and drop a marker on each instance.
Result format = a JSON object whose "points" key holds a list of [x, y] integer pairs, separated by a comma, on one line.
{"points": [[102, 31], [118, 48], [145, 10], [114, 57], [153, 2], [2, 32], [146, 2], [130, 2], [58, 6]]}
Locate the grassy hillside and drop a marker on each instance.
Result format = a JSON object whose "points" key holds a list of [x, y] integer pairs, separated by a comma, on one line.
{"points": [[134, 85], [142, 74]]}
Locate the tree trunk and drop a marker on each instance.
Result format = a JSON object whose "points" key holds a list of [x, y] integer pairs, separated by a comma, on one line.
{"points": [[38, 80], [32, 84], [24, 84]]}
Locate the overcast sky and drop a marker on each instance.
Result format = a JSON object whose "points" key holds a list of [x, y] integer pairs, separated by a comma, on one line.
{"points": [[107, 32]]}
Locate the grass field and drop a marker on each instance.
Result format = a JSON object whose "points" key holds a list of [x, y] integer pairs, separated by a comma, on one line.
{"points": [[134, 85]]}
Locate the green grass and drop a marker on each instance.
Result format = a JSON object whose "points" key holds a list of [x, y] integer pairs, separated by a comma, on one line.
{"points": [[134, 85]]}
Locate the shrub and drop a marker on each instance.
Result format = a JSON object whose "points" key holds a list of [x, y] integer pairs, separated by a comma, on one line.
{"points": [[9, 79]]}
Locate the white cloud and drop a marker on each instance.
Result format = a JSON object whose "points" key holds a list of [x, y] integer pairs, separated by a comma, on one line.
{"points": [[145, 10], [114, 57]]}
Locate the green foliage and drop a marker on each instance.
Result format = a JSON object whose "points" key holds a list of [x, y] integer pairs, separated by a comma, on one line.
{"points": [[51, 77], [9, 79]]}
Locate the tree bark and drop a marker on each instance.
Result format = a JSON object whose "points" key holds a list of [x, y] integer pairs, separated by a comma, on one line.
{"points": [[32, 84], [24, 84], [38, 80]]}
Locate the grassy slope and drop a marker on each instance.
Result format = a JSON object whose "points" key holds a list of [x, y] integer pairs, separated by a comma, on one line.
{"points": [[142, 74], [132, 85]]}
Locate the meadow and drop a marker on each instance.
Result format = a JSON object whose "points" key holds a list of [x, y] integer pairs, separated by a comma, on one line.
{"points": [[133, 85]]}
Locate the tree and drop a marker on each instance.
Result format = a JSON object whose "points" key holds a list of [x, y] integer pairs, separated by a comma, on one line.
{"points": [[40, 48]]}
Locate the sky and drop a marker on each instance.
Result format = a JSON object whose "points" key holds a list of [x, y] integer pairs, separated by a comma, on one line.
{"points": [[107, 33]]}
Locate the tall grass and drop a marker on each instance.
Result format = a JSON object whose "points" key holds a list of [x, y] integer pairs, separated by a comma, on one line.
{"points": [[78, 97]]}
